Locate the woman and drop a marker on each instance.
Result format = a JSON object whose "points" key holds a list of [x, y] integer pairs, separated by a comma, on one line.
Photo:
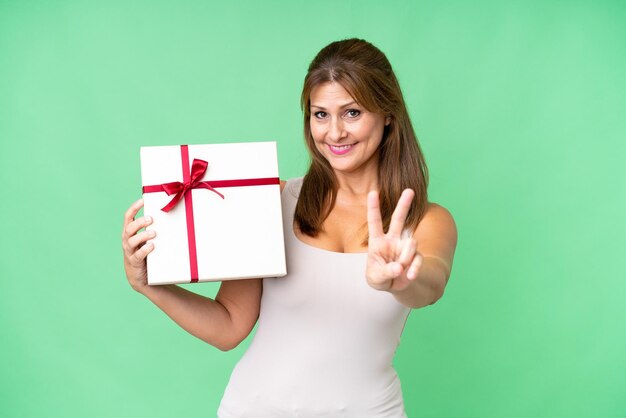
{"points": [[328, 331]]}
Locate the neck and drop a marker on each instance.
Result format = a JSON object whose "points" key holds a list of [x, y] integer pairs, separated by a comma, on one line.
{"points": [[358, 183]]}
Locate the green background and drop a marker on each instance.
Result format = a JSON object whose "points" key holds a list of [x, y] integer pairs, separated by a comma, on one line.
{"points": [[520, 110]]}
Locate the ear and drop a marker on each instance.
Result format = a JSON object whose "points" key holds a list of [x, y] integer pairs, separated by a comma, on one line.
{"points": [[387, 120]]}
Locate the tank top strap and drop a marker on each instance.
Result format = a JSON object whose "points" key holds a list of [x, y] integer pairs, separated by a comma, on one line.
{"points": [[290, 195]]}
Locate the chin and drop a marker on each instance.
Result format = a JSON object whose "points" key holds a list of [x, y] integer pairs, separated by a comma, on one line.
{"points": [[343, 168]]}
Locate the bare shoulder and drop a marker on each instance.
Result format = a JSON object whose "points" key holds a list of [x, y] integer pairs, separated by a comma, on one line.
{"points": [[437, 216], [436, 234]]}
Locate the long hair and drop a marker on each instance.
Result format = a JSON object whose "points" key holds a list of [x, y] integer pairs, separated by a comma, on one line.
{"points": [[366, 74]]}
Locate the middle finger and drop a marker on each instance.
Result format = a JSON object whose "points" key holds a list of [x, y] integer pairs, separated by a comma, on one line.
{"points": [[400, 213], [132, 228], [409, 247], [137, 240]]}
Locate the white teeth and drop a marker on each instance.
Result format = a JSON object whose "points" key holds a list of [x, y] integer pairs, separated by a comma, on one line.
{"points": [[340, 147]]}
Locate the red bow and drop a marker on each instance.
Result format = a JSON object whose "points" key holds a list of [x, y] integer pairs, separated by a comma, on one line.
{"points": [[198, 168]]}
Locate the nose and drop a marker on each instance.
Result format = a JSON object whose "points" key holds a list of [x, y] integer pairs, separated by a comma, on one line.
{"points": [[336, 131]]}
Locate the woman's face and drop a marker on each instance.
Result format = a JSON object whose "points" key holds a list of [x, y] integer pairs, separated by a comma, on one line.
{"points": [[346, 134]]}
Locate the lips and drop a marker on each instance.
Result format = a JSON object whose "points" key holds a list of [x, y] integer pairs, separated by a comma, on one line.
{"points": [[340, 149]]}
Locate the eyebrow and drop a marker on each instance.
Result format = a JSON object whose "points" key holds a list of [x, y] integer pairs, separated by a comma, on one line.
{"points": [[341, 107]]}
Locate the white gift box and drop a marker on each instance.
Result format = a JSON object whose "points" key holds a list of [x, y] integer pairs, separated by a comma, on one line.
{"points": [[223, 224]]}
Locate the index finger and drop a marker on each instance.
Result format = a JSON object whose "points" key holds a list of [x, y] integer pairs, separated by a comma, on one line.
{"points": [[130, 214], [400, 213], [374, 221]]}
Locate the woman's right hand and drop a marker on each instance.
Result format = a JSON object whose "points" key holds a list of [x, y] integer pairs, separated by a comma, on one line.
{"points": [[135, 247]]}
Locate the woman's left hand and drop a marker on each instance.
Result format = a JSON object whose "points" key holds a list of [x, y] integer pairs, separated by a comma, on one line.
{"points": [[392, 261]]}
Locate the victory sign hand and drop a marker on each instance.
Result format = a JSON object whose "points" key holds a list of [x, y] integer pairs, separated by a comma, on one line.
{"points": [[392, 260]]}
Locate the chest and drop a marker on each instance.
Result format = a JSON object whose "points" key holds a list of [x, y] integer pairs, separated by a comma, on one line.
{"points": [[343, 231]]}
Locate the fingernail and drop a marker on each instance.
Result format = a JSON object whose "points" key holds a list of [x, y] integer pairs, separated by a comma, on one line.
{"points": [[152, 233], [148, 219]]}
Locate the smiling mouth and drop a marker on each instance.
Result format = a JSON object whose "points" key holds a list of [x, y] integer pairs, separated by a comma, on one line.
{"points": [[340, 149]]}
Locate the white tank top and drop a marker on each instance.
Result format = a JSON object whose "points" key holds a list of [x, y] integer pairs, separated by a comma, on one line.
{"points": [[325, 340]]}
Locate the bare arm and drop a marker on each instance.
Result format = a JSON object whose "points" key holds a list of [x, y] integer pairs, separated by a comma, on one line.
{"points": [[414, 269], [436, 238], [223, 322]]}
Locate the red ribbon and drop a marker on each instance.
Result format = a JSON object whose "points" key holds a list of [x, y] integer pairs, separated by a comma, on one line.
{"points": [[198, 168], [191, 180]]}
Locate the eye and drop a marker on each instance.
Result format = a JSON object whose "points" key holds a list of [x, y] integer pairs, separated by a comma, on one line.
{"points": [[353, 113], [320, 114]]}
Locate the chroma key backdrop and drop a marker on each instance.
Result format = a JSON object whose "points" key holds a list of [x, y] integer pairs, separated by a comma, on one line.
{"points": [[519, 107]]}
